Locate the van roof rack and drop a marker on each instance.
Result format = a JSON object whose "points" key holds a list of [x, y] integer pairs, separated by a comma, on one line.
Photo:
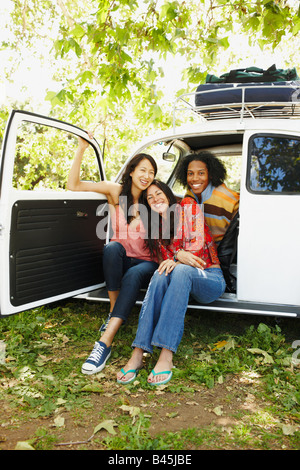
{"points": [[243, 108]]}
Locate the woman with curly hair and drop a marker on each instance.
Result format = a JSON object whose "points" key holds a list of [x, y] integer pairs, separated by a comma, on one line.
{"points": [[204, 175]]}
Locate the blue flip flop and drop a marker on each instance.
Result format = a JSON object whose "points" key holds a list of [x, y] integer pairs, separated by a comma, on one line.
{"points": [[131, 371], [162, 382]]}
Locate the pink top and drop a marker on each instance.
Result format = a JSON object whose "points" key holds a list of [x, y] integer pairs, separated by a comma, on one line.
{"points": [[132, 238]]}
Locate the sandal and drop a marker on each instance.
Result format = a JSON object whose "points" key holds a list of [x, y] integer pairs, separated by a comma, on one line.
{"points": [[131, 371], [162, 382]]}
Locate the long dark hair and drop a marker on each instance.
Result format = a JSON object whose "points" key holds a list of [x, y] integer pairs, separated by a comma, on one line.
{"points": [[126, 200], [161, 230], [216, 169]]}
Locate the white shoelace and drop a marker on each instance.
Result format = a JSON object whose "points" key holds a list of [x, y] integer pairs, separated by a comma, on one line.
{"points": [[96, 353]]}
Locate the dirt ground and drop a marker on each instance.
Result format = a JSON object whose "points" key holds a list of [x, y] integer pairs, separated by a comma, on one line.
{"points": [[237, 402], [170, 412]]}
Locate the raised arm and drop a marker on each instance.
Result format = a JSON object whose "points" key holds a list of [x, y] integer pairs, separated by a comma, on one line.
{"points": [[110, 189]]}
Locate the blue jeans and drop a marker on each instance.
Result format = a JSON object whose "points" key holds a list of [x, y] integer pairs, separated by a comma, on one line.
{"points": [[127, 275], [161, 321]]}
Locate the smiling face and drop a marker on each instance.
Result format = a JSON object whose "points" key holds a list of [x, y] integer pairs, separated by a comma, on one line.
{"points": [[157, 199], [197, 176], [143, 175]]}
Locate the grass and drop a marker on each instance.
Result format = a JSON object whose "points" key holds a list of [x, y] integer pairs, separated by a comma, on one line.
{"points": [[224, 359]]}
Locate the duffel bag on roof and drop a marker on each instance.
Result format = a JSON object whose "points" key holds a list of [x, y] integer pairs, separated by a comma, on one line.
{"points": [[254, 74]]}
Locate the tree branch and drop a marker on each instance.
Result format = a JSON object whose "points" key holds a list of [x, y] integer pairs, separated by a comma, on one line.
{"points": [[70, 20]]}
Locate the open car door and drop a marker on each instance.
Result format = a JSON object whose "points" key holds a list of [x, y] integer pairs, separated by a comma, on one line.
{"points": [[49, 246]]}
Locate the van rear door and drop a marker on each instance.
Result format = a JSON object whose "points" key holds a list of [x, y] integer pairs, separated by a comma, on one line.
{"points": [[49, 248], [268, 251]]}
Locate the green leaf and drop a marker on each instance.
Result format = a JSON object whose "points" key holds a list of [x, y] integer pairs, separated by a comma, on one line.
{"points": [[108, 425], [132, 410], [75, 46], [296, 28], [86, 76], [77, 32], [92, 387], [267, 358], [224, 42], [172, 414]]}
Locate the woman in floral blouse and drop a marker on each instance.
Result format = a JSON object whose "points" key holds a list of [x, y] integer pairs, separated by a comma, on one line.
{"points": [[189, 266]]}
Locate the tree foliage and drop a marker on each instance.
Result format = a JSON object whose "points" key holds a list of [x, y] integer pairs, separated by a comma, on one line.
{"points": [[108, 55], [114, 48]]}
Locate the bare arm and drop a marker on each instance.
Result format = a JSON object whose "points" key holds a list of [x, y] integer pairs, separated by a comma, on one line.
{"points": [[110, 189]]}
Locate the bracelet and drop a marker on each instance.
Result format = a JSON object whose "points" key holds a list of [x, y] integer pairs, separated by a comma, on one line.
{"points": [[176, 254]]}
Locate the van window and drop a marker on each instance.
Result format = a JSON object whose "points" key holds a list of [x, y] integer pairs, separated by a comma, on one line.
{"points": [[274, 164], [44, 156]]}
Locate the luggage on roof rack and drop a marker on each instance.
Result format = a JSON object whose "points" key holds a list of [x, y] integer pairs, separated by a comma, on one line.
{"points": [[249, 85], [255, 74], [211, 94], [244, 93]]}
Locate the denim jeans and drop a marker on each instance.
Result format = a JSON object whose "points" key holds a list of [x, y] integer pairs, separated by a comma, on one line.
{"points": [[127, 275], [161, 320]]}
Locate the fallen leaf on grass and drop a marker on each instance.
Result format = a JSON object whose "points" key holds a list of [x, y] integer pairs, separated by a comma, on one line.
{"points": [[42, 360], [220, 345], [93, 387], [289, 429], [108, 425], [172, 415], [226, 345], [267, 358], [61, 401], [23, 445], [134, 411], [161, 389], [59, 421], [218, 410]]}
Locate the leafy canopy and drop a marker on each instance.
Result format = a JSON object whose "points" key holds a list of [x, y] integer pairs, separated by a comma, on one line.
{"points": [[108, 56], [112, 50]]}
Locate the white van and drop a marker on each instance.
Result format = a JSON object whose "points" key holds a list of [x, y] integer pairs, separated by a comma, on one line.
{"points": [[49, 243]]}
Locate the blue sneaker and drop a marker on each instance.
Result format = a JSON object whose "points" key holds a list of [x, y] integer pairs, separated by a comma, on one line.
{"points": [[97, 359], [104, 325]]}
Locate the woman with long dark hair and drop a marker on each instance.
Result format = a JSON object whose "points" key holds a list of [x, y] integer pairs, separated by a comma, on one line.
{"points": [[189, 266], [162, 220], [127, 261]]}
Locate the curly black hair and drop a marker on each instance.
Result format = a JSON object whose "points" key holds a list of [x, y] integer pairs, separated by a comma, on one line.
{"points": [[216, 168]]}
